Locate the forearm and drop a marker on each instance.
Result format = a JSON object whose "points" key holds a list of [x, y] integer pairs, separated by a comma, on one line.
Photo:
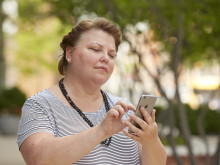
{"points": [[63, 150], [154, 154], [78, 146]]}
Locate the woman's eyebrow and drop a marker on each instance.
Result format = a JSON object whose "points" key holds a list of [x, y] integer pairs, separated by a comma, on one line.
{"points": [[111, 50]]}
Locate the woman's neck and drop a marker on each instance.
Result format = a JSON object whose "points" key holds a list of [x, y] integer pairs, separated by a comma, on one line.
{"points": [[81, 88], [88, 99]]}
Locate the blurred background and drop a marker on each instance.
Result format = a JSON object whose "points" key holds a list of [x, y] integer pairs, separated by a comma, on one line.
{"points": [[170, 49]]}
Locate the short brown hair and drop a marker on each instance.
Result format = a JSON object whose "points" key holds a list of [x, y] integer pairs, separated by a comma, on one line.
{"points": [[85, 25]]}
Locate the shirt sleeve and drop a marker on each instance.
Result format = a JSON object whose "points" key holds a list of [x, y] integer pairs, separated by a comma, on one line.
{"points": [[34, 119]]}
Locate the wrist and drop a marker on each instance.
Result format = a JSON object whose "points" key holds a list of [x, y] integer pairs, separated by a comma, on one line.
{"points": [[154, 153], [102, 133], [151, 143]]}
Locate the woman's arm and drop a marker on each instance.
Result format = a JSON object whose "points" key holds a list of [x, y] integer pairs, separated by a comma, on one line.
{"points": [[43, 148], [155, 154], [151, 149]]}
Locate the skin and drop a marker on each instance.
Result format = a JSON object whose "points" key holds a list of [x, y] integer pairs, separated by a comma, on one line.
{"points": [[151, 149], [91, 63]]}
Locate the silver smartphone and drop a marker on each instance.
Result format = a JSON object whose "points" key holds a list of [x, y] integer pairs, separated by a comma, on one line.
{"points": [[146, 101]]}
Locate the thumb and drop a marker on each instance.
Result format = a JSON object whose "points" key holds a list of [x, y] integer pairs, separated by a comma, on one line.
{"points": [[153, 113]]}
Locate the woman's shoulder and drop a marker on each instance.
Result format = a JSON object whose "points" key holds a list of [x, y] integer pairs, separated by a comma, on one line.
{"points": [[41, 98], [41, 95]]}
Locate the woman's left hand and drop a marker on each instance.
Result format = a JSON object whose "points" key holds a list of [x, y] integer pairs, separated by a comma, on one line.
{"points": [[151, 149], [149, 130]]}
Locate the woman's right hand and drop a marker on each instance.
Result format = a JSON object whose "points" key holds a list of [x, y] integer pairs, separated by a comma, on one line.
{"points": [[113, 123]]}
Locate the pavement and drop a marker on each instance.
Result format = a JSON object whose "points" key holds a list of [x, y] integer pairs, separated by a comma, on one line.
{"points": [[9, 152], [198, 146]]}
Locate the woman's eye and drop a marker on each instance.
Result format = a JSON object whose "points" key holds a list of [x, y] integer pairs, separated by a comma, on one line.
{"points": [[95, 49], [112, 56]]}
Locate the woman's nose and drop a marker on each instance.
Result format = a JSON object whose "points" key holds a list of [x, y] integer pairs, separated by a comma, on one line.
{"points": [[105, 57]]}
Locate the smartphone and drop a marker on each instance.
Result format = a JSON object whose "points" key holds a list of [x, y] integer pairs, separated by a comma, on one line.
{"points": [[146, 101]]}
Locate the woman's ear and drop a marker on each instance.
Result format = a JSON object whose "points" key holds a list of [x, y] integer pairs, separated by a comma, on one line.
{"points": [[69, 52]]}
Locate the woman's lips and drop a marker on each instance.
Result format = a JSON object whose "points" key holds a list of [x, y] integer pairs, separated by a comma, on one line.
{"points": [[102, 68]]}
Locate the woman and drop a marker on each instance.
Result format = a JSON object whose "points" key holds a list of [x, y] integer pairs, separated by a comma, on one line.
{"points": [[75, 122]]}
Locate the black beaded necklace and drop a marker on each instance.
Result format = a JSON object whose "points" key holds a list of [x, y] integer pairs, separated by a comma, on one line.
{"points": [[107, 107]]}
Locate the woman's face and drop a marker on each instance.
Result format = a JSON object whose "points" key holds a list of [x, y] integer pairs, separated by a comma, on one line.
{"points": [[93, 57]]}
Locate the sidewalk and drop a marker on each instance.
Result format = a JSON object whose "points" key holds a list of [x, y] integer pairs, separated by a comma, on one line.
{"points": [[9, 153], [198, 147]]}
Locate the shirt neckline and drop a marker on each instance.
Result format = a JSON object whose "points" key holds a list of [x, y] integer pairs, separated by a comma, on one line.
{"points": [[87, 113]]}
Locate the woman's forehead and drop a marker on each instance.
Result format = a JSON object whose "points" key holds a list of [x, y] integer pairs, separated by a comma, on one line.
{"points": [[96, 36]]}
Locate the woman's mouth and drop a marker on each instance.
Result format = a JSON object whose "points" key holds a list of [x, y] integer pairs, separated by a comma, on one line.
{"points": [[102, 68]]}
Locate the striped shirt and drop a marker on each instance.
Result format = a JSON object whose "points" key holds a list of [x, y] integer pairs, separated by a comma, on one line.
{"points": [[44, 112]]}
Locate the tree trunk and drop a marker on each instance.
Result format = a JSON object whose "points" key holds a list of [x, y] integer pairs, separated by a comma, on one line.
{"points": [[185, 128], [176, 69], [216, 160], [202, 132], [170, 137], [2, 60]]}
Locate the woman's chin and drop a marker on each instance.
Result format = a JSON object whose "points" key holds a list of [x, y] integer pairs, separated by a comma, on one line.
{"points": [[100, 80]]}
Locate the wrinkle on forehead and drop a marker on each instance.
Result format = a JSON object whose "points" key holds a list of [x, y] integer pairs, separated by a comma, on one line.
{"points": [[97, 36]]}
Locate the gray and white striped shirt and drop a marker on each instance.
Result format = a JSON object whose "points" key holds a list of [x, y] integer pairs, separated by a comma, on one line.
{"points": [[44, 112]]}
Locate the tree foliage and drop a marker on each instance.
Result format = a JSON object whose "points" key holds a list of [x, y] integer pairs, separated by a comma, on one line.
{"points": [[200, 22]]}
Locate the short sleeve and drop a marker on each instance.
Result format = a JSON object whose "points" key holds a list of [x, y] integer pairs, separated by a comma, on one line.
{"points": [[34, 119]]}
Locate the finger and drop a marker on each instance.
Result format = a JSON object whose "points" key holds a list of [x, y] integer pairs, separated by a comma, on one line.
{"points": [[153, 116], [120, 109], [146, 115], [114, 112], [128, 119], [126, 106], [134, 128], [132, 136]]}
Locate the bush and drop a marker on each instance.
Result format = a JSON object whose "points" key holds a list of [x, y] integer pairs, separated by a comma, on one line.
{"points": [[11, 100], [211, 120]]}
